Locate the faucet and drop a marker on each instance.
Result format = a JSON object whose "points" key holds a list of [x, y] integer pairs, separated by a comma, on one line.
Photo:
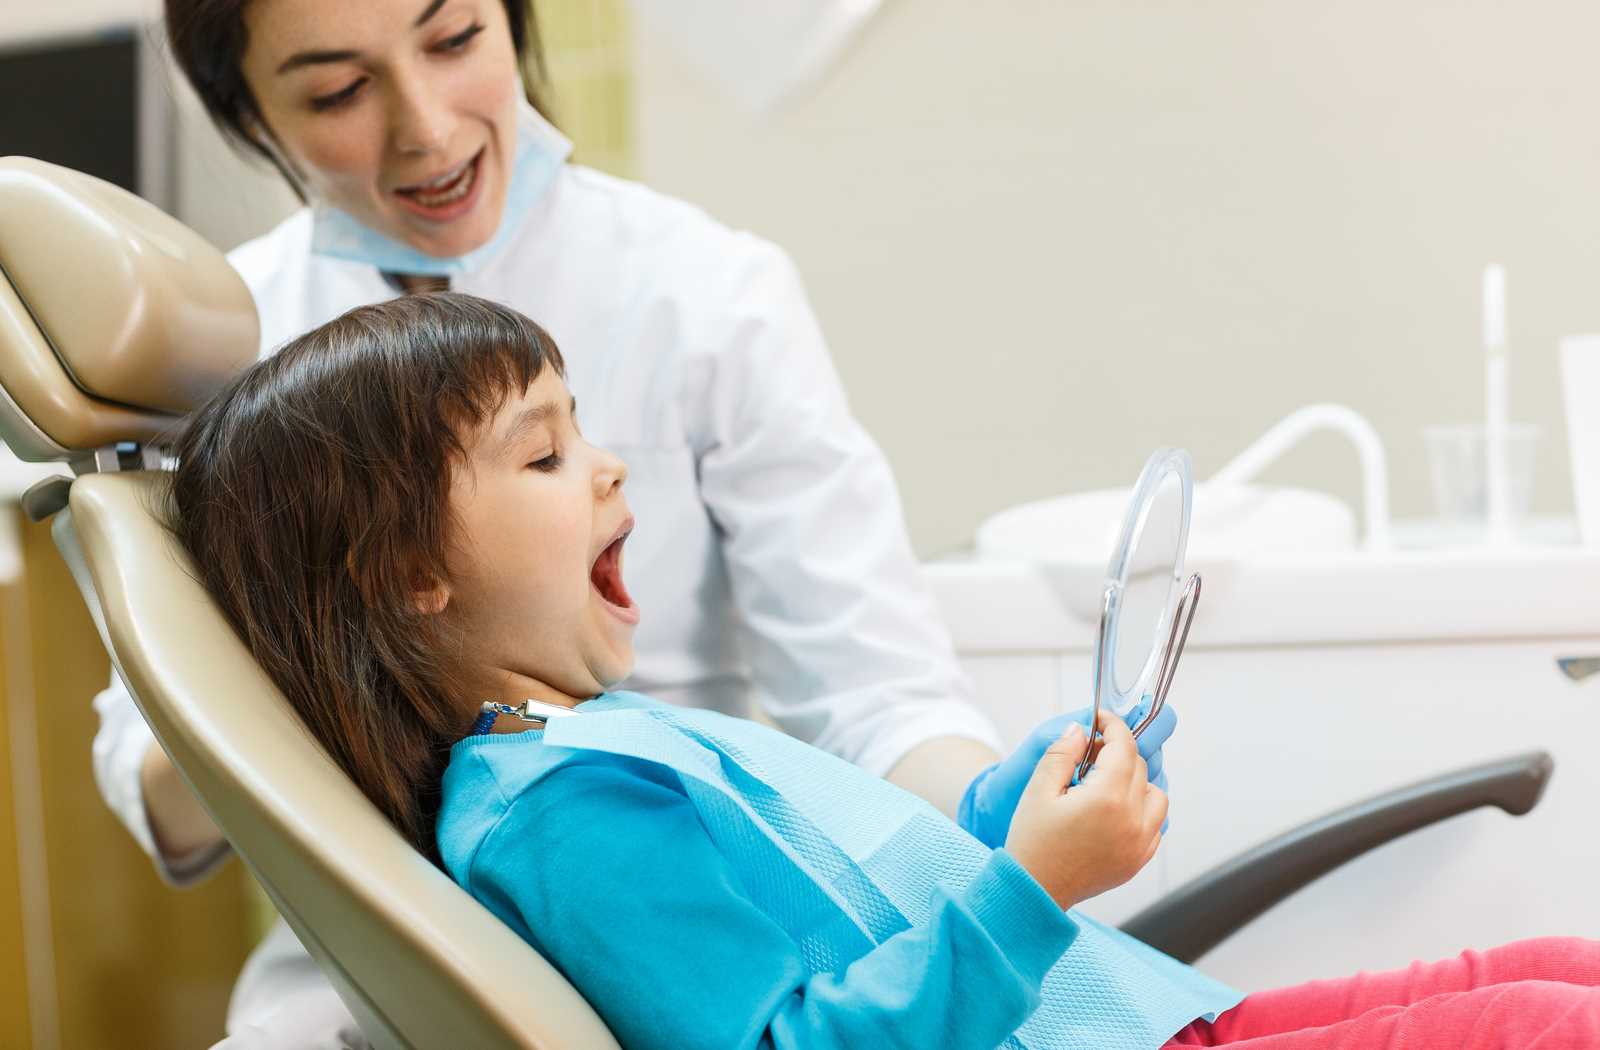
{"points": [[1289, 431]]}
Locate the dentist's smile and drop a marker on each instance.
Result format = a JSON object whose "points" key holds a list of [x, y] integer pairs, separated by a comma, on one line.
{"points": [[446, 196]]}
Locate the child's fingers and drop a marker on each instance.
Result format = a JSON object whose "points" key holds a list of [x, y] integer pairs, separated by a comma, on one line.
{"points": [[1150, 852], [1155, 809], [1118, 751], [1056, 766], [1138, 780]]}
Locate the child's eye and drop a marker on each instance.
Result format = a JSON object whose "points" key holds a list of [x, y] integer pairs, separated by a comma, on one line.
{"points": [[548, 464], [460, 40]]}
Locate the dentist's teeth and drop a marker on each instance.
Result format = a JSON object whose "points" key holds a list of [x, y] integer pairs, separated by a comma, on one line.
{"points": [[447, 177], [463, 181]]}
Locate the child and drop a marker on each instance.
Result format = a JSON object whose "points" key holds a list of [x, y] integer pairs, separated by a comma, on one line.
{"points": [[401, 518]]}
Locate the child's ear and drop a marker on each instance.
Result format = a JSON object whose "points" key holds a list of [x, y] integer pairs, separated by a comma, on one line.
{"points": [[429, 596]]}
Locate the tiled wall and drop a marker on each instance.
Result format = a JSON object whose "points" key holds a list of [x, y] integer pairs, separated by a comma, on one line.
{"points": [[589, 66]]}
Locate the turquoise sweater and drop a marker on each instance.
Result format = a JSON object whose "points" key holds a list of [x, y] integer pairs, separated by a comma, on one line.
{"points": [[601, 864]]}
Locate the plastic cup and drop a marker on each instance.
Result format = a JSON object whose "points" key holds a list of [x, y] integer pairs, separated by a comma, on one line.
{"points": [[1458, 458]]}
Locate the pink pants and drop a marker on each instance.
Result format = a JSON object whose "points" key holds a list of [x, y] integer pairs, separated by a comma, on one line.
{"points": [[1540, 994]]}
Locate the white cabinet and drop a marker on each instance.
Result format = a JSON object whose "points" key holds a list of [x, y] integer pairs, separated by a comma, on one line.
{"points": [[1274, 733]]}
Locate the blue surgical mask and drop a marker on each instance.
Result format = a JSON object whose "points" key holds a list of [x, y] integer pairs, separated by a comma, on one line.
{"points": [[541, 150]]}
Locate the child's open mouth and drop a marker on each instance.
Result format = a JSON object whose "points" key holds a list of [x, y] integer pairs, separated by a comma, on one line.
{"points": [[606, 578]]}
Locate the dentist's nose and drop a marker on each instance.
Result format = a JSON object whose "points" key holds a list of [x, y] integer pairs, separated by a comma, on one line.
{"points": [[419, 121], [610, 472]]}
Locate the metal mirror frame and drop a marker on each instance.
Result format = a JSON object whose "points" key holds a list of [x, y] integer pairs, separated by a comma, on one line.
{"points": [[1175, 616]]}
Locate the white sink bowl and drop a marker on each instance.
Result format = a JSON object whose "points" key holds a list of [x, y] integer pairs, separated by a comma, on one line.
{"points": [[1070, 537]]}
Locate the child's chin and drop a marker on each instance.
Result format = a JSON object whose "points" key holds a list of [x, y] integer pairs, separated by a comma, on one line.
{"points": [[617, 673]]}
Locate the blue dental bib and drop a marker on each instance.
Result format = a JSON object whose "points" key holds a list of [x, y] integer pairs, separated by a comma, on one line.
{"points": [[843, 860]]}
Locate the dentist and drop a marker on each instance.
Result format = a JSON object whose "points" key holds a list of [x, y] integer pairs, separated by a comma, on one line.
{"points": [[774, 553]]}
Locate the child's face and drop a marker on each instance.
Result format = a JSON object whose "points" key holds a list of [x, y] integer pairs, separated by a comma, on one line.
{"points": [[535, 568]]}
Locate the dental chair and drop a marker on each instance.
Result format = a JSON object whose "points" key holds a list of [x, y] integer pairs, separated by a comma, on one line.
{"points": [[115, 321]]}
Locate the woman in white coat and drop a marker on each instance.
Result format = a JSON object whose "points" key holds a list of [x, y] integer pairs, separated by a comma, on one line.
{"points": [[774, 532]]}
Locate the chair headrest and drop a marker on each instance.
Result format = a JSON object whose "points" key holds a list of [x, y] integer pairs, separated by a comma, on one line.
{"points": [[115, 319]]}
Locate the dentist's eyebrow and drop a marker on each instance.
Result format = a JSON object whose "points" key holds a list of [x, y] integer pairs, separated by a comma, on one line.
{"points": [[432, 10], [314, 58]]}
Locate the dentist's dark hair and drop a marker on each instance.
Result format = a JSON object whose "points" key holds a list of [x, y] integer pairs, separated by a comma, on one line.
{"points": [[208, 40], [313, 494]]}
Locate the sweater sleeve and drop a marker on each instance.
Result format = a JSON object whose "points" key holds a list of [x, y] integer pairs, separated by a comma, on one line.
{"points": [[611, 876]]}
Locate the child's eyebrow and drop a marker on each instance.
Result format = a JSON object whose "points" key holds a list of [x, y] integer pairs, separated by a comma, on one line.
{"points": [[526, 421]]}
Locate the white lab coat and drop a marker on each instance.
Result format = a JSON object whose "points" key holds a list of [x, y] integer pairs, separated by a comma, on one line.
{"points": [[770, 558]]}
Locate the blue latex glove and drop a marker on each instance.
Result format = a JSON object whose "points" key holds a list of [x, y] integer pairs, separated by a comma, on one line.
{"points": [[992, 797]]}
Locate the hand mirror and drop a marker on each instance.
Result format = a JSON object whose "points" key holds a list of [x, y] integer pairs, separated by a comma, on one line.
{"points": [[1147, 606]]}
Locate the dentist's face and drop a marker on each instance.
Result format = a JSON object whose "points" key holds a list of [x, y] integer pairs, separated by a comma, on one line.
{"points": [[400, 112], [539, 520]]}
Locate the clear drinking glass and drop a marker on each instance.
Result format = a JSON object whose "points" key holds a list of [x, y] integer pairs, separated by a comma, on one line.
{"points": [[1458, 458]]}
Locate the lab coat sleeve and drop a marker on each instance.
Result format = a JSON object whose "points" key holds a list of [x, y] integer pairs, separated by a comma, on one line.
{"points": [[120, 745], [844, 640], [612, 877]]}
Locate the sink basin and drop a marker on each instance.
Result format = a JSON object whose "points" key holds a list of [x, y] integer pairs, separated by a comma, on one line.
{"points": [[1070, 537]]}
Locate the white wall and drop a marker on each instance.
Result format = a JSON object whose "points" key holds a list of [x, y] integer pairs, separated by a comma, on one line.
{"points": [[229, 196], [22, 20], [1045, 237]]}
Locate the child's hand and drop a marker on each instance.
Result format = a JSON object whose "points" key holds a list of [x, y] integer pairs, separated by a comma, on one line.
{"points": [[991, 798], [1081, 842]]}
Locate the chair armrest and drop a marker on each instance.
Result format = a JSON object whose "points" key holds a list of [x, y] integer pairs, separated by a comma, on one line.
{"points": [[1196, 917]]}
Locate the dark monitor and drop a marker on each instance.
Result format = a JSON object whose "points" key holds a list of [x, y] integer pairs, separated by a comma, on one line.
{"points": [[82, 102]]}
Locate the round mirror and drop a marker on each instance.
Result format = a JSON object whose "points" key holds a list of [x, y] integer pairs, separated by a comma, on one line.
{"points": [[1142, 582], [1146, 583]]}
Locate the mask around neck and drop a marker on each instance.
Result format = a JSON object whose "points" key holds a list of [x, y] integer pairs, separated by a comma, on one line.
{"points": [[541, 150]]}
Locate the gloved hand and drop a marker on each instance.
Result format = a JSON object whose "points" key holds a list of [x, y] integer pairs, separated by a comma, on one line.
{"points": [[991, 798]]}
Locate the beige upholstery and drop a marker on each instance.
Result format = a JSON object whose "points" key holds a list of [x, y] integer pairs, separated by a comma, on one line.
{"points": [[419, 962], [115, 318], [108, 332]]}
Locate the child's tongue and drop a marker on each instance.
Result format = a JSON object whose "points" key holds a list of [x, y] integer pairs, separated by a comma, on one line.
{"points": [[607, 577]]}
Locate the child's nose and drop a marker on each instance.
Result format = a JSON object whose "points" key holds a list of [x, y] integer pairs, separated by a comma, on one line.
{"points": [[609, 475]]}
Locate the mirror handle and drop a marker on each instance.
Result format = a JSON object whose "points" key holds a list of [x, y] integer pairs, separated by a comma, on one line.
{"points": [[1177, 638], [1101, 655]]}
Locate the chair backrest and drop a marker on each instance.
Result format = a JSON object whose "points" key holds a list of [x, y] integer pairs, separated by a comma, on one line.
{"points": [[418, 961]]}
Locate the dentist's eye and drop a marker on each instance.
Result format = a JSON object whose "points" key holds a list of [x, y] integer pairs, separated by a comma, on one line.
{"points": [[322, 103], [460, 40], [549, 464]]}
